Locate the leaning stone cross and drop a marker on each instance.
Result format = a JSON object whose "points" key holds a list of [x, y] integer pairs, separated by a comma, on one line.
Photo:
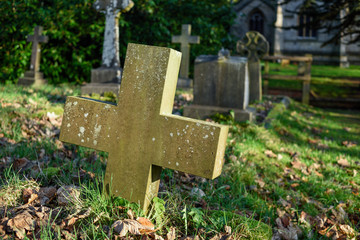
{"points": [[112, 8], [254, 46], [185, 39], [34, 76], [140, 133]]}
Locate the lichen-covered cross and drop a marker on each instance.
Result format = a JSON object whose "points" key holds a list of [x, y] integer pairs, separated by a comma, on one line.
{"points": [[140, 133], [112, 8]]}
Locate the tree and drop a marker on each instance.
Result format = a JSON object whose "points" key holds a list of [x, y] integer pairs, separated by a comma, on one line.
{"points": [[341, 18]]}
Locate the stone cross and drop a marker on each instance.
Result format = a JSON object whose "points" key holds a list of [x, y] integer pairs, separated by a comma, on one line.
{"points": [[36, 39], [34, 76], [185, 39], [112, 8], [140, 133], [254, 46]]}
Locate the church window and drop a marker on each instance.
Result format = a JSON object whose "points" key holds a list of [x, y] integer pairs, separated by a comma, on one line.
{"points": [[257, 22], [306, 26]]}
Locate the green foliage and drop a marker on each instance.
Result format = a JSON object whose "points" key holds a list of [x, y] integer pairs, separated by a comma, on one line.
{"points": [[75, 32]]}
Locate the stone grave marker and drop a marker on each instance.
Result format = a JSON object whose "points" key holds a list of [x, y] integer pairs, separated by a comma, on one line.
{"points": [[107, 78], [254, 46], [221, 84], [34, 76], [140, 133], [185, 39]]}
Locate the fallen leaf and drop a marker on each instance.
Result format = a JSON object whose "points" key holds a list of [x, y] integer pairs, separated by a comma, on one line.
{"points": [[147, 224], [270, 154], [343, 162], [298, 165], [171, 235], [22, 222], [122, 227], [260, 182], [348, 144], [20, 163]]}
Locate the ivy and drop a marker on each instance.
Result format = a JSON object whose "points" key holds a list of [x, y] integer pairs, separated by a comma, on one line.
{"points": [[75, 32]]}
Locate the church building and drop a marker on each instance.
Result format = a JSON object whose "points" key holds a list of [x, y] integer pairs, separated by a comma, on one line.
{"points": [[288, 33]]}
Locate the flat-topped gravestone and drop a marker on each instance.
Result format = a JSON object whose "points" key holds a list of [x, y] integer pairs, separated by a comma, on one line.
{"points": [[221, 84], [34, 76], [140, 133], [254, 46], [107, 78], [185, 39]]}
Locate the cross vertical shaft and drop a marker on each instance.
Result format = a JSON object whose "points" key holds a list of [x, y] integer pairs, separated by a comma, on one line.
{"points": [[111, 8], [185, 39], [36, 39]]}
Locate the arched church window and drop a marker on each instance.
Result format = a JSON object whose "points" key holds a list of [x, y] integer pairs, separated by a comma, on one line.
{"points": [[306, 26], [256, 22]]}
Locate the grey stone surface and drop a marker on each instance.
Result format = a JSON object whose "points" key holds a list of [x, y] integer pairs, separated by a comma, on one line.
{"points": [[34, 76], [220, 84], [254, 46], [101, 88], [108, 76]]}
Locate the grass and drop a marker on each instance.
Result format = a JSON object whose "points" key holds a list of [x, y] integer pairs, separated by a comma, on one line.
{"points": [[325, 80], [285, 168]]}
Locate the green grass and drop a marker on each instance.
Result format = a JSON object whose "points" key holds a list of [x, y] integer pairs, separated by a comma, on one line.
{"points": [[248, 196], [324, 80]]}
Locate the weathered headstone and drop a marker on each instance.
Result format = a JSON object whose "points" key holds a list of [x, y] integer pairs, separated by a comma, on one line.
{"points": [[34, 76], [185, 39], [107, 78], [221, 84], [254, 46], [140, 133]]}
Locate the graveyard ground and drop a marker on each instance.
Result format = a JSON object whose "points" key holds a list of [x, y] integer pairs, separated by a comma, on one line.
{"points": [[294, 173], [326, 81]]}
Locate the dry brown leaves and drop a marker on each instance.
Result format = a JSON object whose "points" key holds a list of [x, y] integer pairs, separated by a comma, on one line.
{"points": [[39, 206], [343, 162], [332, 222], [349, 144], [140, 226]]}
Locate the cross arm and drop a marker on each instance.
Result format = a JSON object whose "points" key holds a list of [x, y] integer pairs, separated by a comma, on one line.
{"points": [[193, 146], [89, 123], [194, 39], [176, 39]]}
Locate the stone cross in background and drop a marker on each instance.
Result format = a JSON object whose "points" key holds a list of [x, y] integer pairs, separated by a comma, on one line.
{"points": [[107, 78], [185, 39], [140, 133], [34, 76], [254, 46]]}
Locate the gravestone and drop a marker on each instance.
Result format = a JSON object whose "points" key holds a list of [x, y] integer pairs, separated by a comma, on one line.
{"points": [[107, 78], [185, 39], [34, 76], [140, 133], [221, 84], [254, 46]]}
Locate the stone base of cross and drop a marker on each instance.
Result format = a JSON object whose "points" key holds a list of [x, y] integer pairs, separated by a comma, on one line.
{"points": [[32, 78], [103, 79], [140, 133]]}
